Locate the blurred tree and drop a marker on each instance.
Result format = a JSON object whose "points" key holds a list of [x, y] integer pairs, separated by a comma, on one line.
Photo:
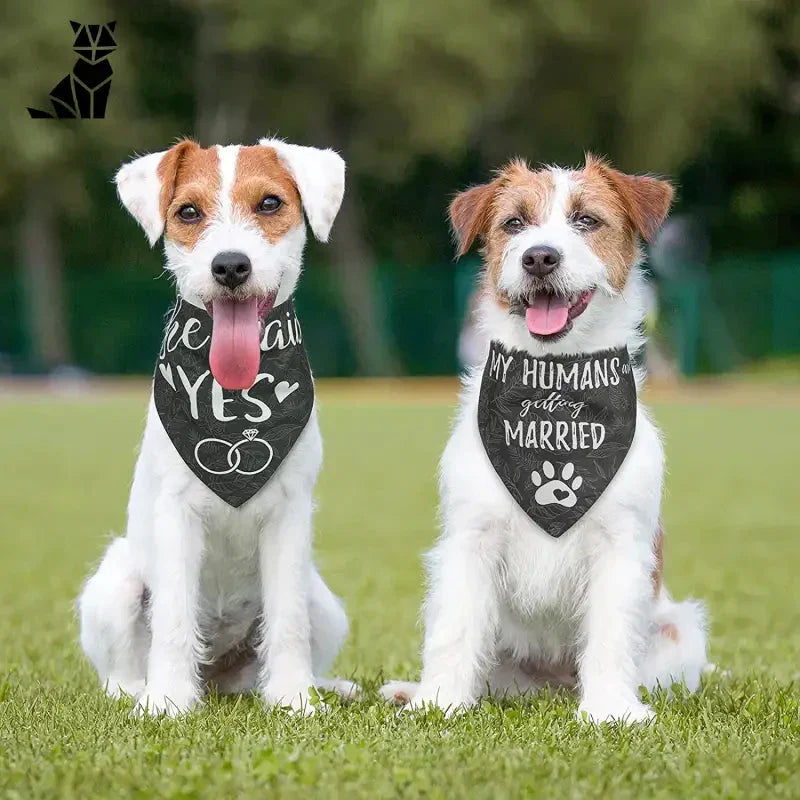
{"points": [[43, 163], [743, 181], [641, 81], [420, 99]]}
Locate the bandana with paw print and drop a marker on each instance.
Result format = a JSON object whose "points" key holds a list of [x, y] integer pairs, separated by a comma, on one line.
{"points": [[557, 428], [233, 440]]}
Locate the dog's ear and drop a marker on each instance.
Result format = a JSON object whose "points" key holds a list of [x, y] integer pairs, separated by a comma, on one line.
{"points": [[646, 199], [469, 215], [319, 175], [146, 186]]}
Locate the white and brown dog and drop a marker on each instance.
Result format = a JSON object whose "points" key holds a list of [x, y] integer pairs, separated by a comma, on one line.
{"points": [[197, 591], [510, 608]]}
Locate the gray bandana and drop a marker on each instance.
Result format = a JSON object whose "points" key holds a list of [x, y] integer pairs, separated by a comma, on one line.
{"points": [[556, 429], [233, 441]]}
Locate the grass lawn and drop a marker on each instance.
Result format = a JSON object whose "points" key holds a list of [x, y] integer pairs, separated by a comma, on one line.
{"points": [[732, 509]]}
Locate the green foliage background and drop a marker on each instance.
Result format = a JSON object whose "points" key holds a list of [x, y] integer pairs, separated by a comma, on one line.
{"points": [[421, 99]]}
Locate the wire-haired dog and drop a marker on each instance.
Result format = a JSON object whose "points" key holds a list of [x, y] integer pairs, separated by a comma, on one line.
{"points": [[548, 569]]}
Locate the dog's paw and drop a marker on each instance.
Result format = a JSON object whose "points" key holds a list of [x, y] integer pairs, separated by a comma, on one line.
{"points": [[347, 690], [120, 687], [608, 709], [170, 703], [294, 699], [398, 693]]}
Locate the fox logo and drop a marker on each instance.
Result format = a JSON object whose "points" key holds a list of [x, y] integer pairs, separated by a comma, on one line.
{"points": [[83, 94]]}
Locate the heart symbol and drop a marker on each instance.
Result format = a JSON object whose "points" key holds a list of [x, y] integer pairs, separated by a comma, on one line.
{"points": [[166, 371], [283, 390], [560, 494]]}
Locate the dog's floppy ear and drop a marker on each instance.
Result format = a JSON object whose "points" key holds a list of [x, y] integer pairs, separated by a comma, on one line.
{"points": [[146, 185], [646, 199], [469, 215], [319, 175]]}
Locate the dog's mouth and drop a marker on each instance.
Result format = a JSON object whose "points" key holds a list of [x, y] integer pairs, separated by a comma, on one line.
{"points": [[549, 315], [236, 334]]}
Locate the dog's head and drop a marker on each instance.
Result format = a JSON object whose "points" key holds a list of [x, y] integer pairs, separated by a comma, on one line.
{"points": [[559, 244], [233, 227]]}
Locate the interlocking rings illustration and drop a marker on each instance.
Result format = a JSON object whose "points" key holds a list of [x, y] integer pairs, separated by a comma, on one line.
{"points": [[233, 455]]}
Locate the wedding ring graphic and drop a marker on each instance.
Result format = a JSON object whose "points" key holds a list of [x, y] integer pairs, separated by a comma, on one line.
{"points": [[234, 457]]}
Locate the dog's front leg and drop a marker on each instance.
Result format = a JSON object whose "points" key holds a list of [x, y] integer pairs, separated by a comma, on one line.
{"points": [[615, 624], [285, 649], [172, 679], [461, 622]]}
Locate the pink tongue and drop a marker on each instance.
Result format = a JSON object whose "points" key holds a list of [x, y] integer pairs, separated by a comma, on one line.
{"points": [[548, 314], [235, 343]]}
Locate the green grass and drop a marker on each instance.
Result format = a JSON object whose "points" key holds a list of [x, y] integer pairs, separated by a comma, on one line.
{"points": [[732, 506]]}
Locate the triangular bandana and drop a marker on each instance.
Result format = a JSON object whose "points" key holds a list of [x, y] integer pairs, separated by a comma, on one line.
{"points": [[233, 441], [556, 429]]}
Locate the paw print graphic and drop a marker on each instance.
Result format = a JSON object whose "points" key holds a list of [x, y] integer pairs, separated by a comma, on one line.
{"points": [[555, 490]]}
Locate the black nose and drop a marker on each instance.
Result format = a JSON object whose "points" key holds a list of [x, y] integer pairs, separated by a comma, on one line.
{"points": [[540, 260], [231, 268]]}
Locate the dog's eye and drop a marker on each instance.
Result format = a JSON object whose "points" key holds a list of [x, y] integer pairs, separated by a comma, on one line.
{"points": [[513, 225], [269, 205], [586, 221], [189, 213]]}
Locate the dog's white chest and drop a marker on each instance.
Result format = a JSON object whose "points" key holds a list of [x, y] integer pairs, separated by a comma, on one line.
{"points": [[544, 576], [230, 587]]}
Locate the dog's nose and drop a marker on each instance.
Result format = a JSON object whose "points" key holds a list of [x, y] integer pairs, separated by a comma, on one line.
{"points": [[540, 260], [231, 268]]}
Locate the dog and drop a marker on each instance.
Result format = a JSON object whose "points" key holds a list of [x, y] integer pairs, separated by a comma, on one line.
{"points": [[83, 94], [516, 601], [201, 591]]}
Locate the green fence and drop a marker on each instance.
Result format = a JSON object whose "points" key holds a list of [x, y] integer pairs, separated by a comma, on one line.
{"points": [[715, 320], [116, 319], [741, 310]]}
